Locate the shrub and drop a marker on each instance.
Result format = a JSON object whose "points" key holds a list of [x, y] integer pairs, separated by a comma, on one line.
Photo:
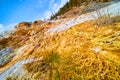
{"points": [[53, 60], [8, 78]]}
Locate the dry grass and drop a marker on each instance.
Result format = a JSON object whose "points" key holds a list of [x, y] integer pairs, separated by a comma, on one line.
{"points": [[82, 52], [78, 59]]}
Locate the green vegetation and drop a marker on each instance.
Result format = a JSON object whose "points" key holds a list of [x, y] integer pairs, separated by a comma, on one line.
{"points": [[53, 60]]}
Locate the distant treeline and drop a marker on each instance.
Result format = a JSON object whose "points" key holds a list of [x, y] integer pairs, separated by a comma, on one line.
{"points": [[70, 4]]}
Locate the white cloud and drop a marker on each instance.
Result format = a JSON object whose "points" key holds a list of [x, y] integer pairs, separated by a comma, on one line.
{"points": [[57, 6], [7, 27], [63, 2], [54, 7], [39, 3], [51, 3], [1, 28], [47, 14], [10, 26]]}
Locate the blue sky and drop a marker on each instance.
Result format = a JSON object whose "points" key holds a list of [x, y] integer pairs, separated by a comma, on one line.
{"points": [[15, 11]]}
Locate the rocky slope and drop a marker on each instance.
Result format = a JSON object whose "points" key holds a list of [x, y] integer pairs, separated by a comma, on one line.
{"points": [[77, 48]]}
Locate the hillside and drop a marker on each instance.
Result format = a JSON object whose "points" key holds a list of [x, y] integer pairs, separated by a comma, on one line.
{"points": [[72, 4], [78, 47]]}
